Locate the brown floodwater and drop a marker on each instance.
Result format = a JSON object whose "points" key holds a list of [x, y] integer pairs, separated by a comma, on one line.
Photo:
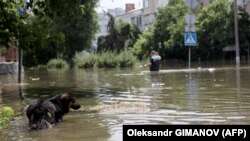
{"points": [[111, 98]]}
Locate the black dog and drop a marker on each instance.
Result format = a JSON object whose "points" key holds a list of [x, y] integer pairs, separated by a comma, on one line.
{"points": [[45, 113]]}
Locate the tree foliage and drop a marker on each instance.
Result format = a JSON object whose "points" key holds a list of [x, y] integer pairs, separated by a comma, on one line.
{"points": [[50, 29], [39, 44], [10, 20], [121, 35], [74, 22], [167, 31], [214, 27]]}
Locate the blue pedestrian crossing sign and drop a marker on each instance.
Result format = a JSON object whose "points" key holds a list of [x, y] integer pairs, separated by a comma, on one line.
{"points": [[190, 39]]}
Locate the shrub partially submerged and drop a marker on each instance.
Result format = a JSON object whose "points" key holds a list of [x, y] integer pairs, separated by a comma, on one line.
{"points": [[126, 59], [85, 60], [6, 114], [105, 60], [57, 64]]}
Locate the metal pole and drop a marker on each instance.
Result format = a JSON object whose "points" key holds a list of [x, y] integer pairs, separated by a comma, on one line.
{"points": [[189, 57], [248, 54], [19, 65], [236, 33]]}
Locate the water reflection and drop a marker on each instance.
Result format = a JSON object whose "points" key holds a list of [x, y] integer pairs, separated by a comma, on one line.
{"points": [[193, 92], [20, 90], [111, 98], [156, 79], [238, 79]]}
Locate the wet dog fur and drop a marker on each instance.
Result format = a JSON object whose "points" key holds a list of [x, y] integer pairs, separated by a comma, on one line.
{"points": [[44, 114]]}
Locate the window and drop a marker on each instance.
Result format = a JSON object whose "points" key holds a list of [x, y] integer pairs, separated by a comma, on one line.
{"points": [[146, 19], [145, 3], [161, 2], [133, 21], [139, 23]]}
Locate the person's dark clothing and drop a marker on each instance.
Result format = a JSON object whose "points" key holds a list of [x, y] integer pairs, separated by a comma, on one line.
{"points": [[155, 63]]}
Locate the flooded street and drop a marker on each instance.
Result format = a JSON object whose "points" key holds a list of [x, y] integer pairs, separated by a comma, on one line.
{"points": [[111, 98]]}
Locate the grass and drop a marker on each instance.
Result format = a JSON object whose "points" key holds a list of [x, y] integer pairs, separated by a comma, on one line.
{"points": [[6, 114]]}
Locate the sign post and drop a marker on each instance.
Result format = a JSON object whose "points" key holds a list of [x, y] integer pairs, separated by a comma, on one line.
{"points": [[189, 57], [190, 37]]}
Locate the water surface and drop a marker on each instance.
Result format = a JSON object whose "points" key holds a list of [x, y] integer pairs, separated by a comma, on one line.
{"points": [[111, 98]]}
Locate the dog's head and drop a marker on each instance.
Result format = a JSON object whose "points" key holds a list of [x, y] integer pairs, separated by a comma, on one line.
{"points": [[68, 102]]}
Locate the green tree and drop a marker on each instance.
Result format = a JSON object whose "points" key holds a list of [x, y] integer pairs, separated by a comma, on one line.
{"points": [[214, 29], [108, 42], [121, 35], [58, 29], [142, 45], [39, 44], [127, 35], [168, 31], [76, 20], [10, 20], [244, 30]]}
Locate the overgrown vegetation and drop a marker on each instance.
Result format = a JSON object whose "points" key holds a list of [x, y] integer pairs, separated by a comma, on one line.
{"points": [[57, 64], [66, 27], [105, 60], [121, 35], [126, 59], [10, 21], [48, 27], [6, 114], [85, 60], [214, 27]]}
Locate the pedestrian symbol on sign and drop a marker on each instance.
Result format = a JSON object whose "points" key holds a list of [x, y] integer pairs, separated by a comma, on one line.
{"points": [[190, 39]]}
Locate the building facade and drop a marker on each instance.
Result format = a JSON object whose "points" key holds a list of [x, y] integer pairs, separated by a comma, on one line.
{"points": [[243, 3], [145, 16]]}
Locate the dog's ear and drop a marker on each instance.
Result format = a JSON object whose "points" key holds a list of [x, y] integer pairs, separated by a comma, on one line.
{"points": [[69, 101], [65, 97]]}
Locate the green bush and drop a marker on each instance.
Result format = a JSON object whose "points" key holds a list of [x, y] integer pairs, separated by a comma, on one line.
{"points": [[105, 60], [85, 60], [126, 59], [6, 114], [57, 64]]}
